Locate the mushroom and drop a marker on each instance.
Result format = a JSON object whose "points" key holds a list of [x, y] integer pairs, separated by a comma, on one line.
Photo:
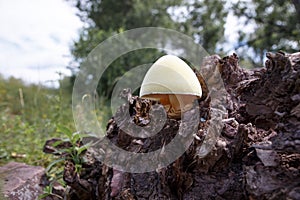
{"points": [[173, 83]]}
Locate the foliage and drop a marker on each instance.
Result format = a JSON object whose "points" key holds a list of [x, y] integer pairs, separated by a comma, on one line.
{"points": [[48, 192], [29, 115], [126, 15], [72, 152], [114, 14], [205, 22], [275, 27], [108, 17]]}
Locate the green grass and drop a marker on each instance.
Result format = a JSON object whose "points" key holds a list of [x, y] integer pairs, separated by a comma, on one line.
{"points": [[29, 115], [32, 114]]}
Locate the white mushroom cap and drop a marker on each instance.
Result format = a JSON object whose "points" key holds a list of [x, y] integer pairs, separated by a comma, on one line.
{"points": [[170, 75]]}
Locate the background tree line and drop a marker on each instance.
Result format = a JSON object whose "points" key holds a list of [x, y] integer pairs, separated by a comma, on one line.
{"points": [[274, 24]]}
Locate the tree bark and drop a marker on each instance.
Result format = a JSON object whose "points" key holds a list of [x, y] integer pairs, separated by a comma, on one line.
{"points": [[256, 156]]}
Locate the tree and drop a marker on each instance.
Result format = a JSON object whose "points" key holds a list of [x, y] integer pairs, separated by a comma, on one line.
{"points": [[108, 17], [297, 7], [275, 27], [203, 20]]}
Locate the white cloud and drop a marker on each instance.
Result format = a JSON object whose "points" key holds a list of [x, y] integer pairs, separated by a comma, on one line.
{"points": [[35, 37]]}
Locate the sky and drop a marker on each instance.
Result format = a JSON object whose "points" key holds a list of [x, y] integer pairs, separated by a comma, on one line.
{"points": [[35, 39], [36, 36]]}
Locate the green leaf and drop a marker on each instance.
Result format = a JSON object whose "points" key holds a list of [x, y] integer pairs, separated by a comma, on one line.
{"points": [[64, 130], [76, 159], [79, 150], [43, 195], [75, 138], [49, 167], [78, 168], [55, 144]]}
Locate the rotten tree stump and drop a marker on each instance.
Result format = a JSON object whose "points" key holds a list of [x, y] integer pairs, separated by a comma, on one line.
{"points": [[257, 155]]}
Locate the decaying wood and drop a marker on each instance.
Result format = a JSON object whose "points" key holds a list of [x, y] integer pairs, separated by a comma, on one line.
{"points": [[257, 155]]}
